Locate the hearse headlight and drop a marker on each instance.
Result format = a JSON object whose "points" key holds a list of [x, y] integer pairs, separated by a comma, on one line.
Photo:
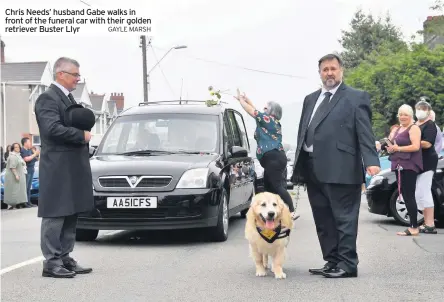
{"points": [[194, 179]]}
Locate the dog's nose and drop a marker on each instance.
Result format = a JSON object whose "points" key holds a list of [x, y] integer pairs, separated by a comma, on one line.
{"points": [[271, 214]]}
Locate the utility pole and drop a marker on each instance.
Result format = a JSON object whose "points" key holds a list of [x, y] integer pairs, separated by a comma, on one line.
{"points": [[145, 83]]}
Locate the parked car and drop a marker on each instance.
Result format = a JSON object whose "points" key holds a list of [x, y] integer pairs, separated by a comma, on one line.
{"points": [[171, 165], [382, 196], [34, 186], [384, 163]]}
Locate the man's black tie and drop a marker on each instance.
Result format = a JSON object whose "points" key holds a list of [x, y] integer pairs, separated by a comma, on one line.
{"points": [[72, 98], [318, 114]]}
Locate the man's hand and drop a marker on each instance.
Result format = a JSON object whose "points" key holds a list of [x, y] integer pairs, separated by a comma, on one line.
{"points": [[373, 170], [87, 136]]}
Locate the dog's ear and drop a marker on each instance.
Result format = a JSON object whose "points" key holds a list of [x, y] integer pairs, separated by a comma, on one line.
{"points": [[285, 213], [250, 214]]}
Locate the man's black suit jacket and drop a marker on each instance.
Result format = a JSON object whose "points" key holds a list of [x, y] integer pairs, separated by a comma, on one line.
{"points": [[344, 143]]}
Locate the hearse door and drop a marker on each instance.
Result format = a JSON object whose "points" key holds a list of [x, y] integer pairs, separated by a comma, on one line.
{"points": [[248, 163], [234, 166], [237, 165]]}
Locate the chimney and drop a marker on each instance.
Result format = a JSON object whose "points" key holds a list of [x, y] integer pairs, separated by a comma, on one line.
{"points": [[119, 99], [2, 51]]}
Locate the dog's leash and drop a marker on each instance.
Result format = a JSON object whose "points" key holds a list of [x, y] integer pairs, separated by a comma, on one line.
{"points": [[399, 168]]}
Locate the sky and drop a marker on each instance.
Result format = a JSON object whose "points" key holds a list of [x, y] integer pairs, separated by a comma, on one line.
{"points": [[223, 38]]}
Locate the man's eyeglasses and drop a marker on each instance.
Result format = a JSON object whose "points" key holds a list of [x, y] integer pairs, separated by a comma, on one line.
{"points": [[76, 75]]}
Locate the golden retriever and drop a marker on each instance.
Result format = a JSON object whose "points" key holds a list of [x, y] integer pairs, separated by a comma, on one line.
{"points": [[268, 212]]}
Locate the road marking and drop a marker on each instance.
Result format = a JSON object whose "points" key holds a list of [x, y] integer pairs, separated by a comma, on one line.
{"points": [[21, 264], [40, 258]]}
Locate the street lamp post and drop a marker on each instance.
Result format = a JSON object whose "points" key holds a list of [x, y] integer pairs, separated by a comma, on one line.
{"points": [[148, 73]]}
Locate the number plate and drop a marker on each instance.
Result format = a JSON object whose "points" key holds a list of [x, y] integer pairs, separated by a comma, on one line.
{"points": [[131, 202]]}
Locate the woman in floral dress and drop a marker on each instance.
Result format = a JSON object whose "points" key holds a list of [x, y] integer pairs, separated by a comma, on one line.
{"points": [[270, 151]]}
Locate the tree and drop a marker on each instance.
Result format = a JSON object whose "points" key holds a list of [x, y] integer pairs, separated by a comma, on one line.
{"points": [[367, 35], [393, 79]]}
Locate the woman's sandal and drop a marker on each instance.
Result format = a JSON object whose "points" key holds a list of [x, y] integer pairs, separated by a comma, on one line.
{"points": [[425, 229], [406, 233]]}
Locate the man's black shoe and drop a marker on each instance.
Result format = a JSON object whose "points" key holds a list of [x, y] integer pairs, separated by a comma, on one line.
{"points": [[58, 272], [73, 266], [320, 271], [339, 273]]}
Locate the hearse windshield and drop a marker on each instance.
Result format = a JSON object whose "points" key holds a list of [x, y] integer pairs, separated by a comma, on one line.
{"points": [[162, 134]]}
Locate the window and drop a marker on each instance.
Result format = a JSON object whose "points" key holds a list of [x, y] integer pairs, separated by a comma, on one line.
{"points": [[234, 129], [242, 131], [36, 140], [228, 133]]}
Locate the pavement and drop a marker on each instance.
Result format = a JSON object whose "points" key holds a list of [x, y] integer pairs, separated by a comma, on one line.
{"points": [[183, 266]]}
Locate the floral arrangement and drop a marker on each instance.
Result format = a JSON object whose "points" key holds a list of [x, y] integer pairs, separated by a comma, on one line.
{"points": [[215, 97]]}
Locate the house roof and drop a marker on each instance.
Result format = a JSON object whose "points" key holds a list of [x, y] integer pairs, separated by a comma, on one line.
{"points": [[97, 101], [23, 71], [77, 93]]}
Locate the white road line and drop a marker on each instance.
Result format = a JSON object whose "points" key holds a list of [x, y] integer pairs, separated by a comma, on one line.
{"points": [[40, 258], [21, 264]]}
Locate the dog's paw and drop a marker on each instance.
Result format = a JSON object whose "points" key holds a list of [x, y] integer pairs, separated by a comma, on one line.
{"points": [[261, 273], [282, 275]]}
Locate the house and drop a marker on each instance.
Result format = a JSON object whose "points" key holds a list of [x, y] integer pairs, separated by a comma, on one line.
{"points": [[21, 83], [106, 108], [116, 103], [100, 109], [119, 99], [433, 37], [81, 95]]}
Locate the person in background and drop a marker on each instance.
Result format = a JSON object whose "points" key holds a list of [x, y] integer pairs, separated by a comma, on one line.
{"points": [[30, 158], [406, 161], [2, 160], [15, 179], [438, 140], [423, 193], [35, 149], [8, 149], [393, 129], [270, 151]]}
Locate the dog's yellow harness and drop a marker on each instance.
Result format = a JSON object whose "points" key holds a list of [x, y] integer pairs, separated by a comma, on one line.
{"points": [[271, 235]]}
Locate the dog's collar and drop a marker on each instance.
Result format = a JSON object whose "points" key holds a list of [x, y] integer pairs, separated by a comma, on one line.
{"points": [[271, 235]]}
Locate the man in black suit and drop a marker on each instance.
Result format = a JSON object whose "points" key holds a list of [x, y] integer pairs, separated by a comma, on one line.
{"points": [[65, 172], [335, 143]]}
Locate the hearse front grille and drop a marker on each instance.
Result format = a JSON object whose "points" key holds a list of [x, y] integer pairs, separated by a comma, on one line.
{"points": [[134, 181]]}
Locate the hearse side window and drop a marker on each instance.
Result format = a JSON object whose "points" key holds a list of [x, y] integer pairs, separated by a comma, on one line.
{"points": [[236, 137], [242, 131], [227, 132]]}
